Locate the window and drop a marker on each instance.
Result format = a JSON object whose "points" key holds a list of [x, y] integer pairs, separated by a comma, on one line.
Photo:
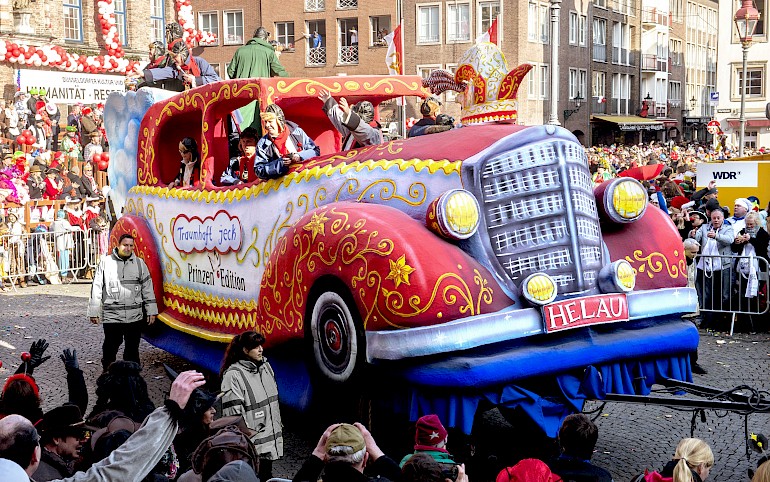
{"points": [[538, 26], [583, 22], [217, 68], [284, 34], [598, 87], [348, 35], [226, 77], [209, 22], [347, 4], [425, 70], [620, 93], [677, 12], [600, 40], [120, 21], [450, 95], [314, 5], [750, 139], [458, 18], [380, 26], [233, 27], [316, 51], [538, 84], [577, 84], [428, 24], [574, 20], [487, 13], [73, 20], [675, 92], [754, 81], [158, 21], [761, 25], [600, 3], [620, 42], [675, 51]]}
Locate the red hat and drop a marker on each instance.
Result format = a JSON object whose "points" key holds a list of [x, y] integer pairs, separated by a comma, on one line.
{"points": [[678, 202], [87, 110], [25, 378], [39, 105], [528, 470], [58, 155], [429, 432]]}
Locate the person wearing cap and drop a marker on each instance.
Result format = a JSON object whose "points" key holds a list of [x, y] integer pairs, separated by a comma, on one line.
{"points": [[53, 185], [71, 146], [429, 109], [741, 208], [132, 461], [430, 437], [185, 71], [255, 59], [62, 434], [38, 130], [356, 123], [21, 109], [87, 126], [342, 453], [34, 96], [54, 114], [35, 182], [93, 147], [88, 185], [713, 271], [73, 119], [241, 168], [283, 140]]}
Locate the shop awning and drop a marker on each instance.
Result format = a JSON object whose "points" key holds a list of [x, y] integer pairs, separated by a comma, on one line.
{"points": [[735, 123], [631, 122]]}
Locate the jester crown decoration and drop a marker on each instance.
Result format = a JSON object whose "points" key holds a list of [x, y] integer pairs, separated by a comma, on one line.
{"points": [[488, 89]]}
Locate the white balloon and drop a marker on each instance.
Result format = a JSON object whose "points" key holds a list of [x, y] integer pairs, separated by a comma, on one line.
{"points": [[38, 62]]}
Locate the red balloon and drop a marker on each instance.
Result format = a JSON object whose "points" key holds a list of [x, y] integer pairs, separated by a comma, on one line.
{"points": [[21, 140], [27, 54], [16, 52], [97, 158], [105, 157], [26, 356], [30, 140], [102, 165]]}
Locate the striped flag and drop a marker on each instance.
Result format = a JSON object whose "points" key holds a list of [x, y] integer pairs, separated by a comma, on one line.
{"points": [[490, 35], [394, 59]]}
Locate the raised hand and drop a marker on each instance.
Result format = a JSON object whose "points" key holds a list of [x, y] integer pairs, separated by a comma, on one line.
{"points": [[70, 358]]}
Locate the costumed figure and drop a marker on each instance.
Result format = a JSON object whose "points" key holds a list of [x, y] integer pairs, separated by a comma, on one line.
{"points": [[190, 167], [71, 146], [87, 126], [52, 110], [93, 147], [41, 140], [429, 124], [284, 144], [12, 119], [88, 185], [22, 111], [184, 72], [241, 168], [53, 185], [356, 123]]}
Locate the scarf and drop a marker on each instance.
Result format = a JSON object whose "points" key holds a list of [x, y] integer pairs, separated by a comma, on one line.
{"points": [[280, 141], [752, 231], [191, 67], [242, 172]]}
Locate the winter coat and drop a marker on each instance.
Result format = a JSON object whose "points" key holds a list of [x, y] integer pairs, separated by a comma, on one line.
{"points": [[724, 239], [304, 145], [249, 389], [171, 77], [574, 469], [665, 475], [237, 471], [52, 467], [122, 290], [255, 59]]}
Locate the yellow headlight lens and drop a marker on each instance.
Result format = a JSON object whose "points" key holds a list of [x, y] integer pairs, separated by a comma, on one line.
{"points": [[540, 288], [459, 216], [629, 199], [625, 275]]}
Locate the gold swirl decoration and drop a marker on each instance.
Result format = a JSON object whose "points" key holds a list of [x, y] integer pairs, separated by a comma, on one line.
{"points": [[315, 173], [208, 299], [656, 262], [160, 229], [313, 87]]}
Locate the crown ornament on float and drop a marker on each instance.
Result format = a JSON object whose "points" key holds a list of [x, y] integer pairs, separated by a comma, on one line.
{"points": [[488, 89]]}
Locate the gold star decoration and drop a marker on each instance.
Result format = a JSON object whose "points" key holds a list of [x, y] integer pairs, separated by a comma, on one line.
{"points": [[316, 224], [399, 271]]}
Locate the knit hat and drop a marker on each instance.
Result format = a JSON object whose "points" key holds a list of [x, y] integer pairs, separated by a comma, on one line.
{"points": [[429, 432], [744, 202], [679, 201], [712, 204], [346, 439]]}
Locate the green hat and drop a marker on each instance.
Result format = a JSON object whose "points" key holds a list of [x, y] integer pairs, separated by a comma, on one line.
{"points": [[18, 154], [71, 129], [42, 92], [345, 435], [33, 91]]}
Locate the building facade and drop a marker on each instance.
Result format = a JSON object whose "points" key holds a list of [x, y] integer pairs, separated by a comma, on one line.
{"points": [[757, 130]]}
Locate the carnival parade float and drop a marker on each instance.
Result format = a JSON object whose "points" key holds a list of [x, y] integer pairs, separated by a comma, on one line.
{"points": [[467, 266]]}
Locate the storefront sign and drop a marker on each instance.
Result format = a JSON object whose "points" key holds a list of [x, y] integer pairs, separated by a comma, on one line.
{"points": [[70, 88], [641, 127]]}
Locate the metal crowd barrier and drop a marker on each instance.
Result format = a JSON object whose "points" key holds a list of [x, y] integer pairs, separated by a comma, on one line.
{"points": [[722, 282], [50, 257]]}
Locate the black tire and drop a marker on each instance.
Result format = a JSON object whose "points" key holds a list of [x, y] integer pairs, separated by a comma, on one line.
{"points": [[335, 332]]}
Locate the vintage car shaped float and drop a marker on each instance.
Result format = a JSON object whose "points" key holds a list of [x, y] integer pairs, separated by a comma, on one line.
{"points": [[464, 264]]}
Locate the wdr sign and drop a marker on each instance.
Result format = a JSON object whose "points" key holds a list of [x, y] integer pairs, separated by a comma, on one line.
{"points": [[727, 174]]}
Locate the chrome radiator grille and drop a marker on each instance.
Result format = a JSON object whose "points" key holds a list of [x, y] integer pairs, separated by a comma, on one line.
{"points": [[540, 214]]}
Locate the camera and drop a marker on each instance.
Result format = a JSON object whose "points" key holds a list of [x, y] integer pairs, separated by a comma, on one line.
{"points": [[444, 120]]}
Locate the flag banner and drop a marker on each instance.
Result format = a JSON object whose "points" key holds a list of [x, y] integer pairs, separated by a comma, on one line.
{"points": [[394, 59], [490, 35]]}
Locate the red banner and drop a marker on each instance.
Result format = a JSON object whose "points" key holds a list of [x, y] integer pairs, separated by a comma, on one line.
{"points": [[589, 310]]}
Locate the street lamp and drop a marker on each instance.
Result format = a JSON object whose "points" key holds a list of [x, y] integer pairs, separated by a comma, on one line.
{"points": [[693, 101], [746, 19], [578, 99]]}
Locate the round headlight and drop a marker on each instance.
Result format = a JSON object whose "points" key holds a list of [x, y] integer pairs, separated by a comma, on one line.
{"points": [[625, 200], [618, 277], [539, 288], [454, 215]]}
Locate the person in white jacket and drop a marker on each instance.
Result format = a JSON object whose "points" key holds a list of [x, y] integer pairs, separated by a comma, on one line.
{"points": [[121, 295], [63, 242]]}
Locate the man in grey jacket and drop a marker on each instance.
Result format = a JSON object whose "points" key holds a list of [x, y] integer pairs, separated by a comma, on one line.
{"points": [[121, 295], [713, 271], [356, 123], [131, 462]]}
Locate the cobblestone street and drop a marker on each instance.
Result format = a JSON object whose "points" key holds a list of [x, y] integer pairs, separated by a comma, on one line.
{"points": [[631, 438]]}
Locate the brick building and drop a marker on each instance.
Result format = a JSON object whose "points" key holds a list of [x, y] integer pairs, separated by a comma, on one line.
{"points": [[70, 24], [349, 41]]}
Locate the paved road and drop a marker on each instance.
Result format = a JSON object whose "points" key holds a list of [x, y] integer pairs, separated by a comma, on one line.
{"points": [[632, 437]]}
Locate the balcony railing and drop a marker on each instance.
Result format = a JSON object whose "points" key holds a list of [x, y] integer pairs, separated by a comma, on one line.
{"points": [[348, 55], [315, 5], [599, 105], [620, 56], [653, 16], [654, 63], [600, 53], [346, 4], [316, 57]]}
